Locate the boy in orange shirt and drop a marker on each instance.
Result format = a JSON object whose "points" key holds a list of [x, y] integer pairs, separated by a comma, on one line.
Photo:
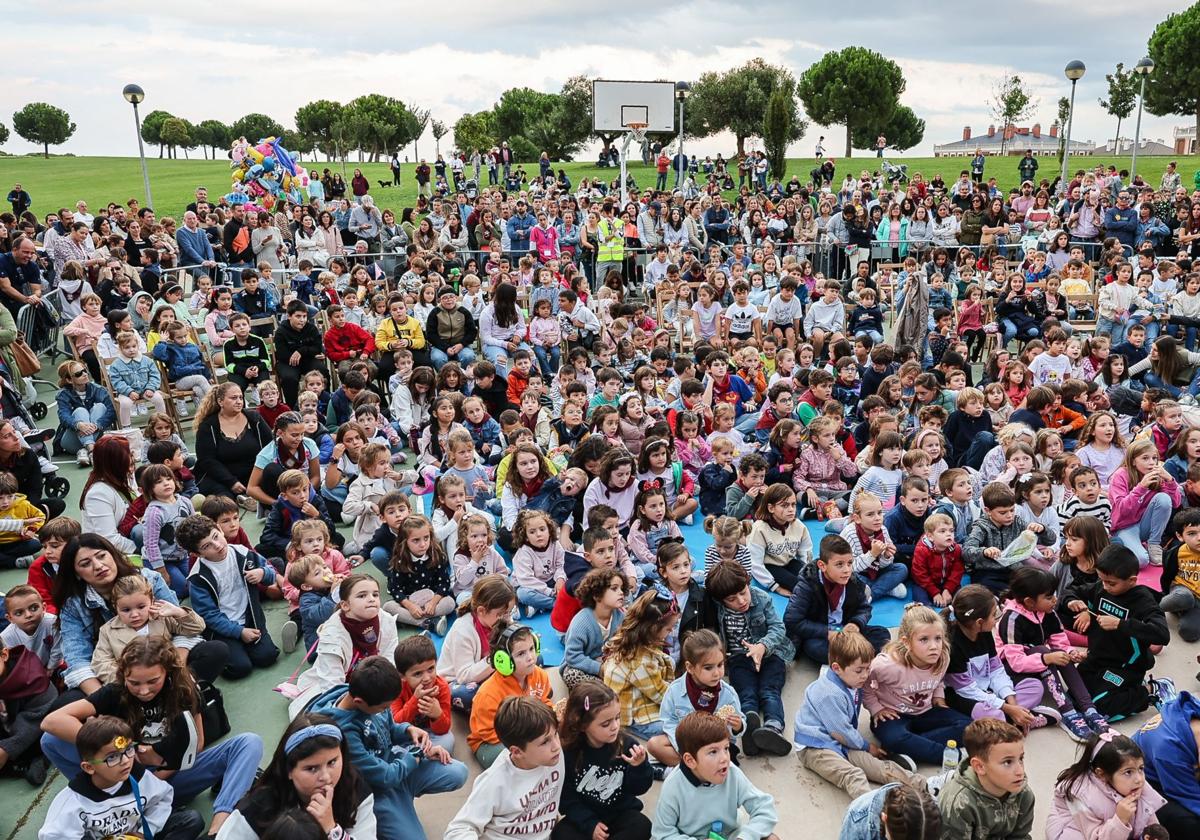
{"points": [[424, 699], [514, 653]]}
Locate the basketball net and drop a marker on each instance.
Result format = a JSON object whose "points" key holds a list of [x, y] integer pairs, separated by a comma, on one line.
{"points": [[637, 131]]}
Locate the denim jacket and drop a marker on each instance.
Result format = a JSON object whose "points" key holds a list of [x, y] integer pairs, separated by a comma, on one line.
{"points": [[68, 399], [862, 820], [79, 626], [764, 625]]}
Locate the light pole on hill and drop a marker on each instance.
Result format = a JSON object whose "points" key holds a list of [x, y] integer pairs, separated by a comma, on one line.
{"points": [[1143, 68], [1073, 71], [682, 89], [133, 95]]}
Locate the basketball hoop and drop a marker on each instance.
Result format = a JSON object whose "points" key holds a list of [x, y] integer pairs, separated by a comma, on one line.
{"points": [[638, 131]]}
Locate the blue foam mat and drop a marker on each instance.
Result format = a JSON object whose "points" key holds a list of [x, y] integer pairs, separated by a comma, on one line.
{"points": [[887, 611]]}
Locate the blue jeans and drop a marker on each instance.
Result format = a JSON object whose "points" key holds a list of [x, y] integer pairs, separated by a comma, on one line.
{"points": [[762, 690], [981, 445], [746, 423], [175, 573], [380, 559], [464, 357], [891, 577], [1190, 334], [540, 601], [494, 354], [1114, 329], [395, 811], [1149, 530], [1153, 380], [875, 336], [646, 731], [1010, 332], [922, 737], [233, 762], [72, 441], [816, 649], [548, 359]]}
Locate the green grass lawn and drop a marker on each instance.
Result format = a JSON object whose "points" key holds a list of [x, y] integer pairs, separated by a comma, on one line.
{"points": [[61, 181]]}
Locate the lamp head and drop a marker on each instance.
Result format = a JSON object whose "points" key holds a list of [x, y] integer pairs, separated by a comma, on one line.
{"points": [[682, 89], [1144, 67], [1075, 70], [133, 94]]}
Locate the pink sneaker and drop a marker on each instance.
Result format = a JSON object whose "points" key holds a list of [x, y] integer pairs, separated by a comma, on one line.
{"points": [[426, 482]]}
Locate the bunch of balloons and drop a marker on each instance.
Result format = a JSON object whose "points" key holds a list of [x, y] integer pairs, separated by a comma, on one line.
{"points": [[264, 174]]}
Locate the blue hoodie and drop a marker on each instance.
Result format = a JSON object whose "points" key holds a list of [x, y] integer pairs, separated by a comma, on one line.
{"points": [[181, 359], [1170, 749], [380, 749]]}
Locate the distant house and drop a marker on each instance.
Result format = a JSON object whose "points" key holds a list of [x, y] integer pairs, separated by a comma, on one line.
{"points": [[1019, 139], [1145, 147], [1185, 140]]}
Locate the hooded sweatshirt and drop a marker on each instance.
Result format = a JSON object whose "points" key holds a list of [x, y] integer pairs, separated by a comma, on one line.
{"points": [[1087, 810], [970, 811], [1170, 750], [26, 695]]}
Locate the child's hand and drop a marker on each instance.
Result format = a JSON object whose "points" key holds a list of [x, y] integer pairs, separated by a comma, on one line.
{"points": [[1127, 806], [756, 651], [1058, 657], [254, 576], [941, 599], [438, 754], [429, 706], [320, 808], [355, 560], [600, 832], [635, 756], [1083, 620], [991, 553], [558, 585], [250, 635], [1018, 715], [877, 751], [1076, 656], [1035, 527], [338, 451], [310, 510], [877, 547], [886, 715], [1108, 622], [419, 737]]}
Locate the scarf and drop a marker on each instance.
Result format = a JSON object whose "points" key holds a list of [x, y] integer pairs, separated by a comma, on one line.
{"points": [[298, 460], [364, 637], [532, 488], [702, 699], [864, 539], [833, 591], [485, 646]]}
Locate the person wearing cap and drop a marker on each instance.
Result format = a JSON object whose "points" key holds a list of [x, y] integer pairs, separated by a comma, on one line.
{"points": [[1028, 167], [450, 331], [519, 226]]}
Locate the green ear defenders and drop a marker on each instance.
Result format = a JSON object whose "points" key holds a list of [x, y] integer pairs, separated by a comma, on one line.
{"points": [[502, 655]]}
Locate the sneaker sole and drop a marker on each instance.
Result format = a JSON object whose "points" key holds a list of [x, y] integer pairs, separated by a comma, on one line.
{"points": [[772, 742], [1048, 712], [289, 637], [904, 761]]}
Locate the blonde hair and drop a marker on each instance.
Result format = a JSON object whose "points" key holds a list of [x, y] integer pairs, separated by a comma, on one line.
{"points": [[917, 616], [1010, 433], [726, 528], [127, 585], [302, 529], [371, 454], [938, 520], [464, 529]]}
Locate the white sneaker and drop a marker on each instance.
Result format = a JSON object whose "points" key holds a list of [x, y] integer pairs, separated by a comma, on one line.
{"points": [[901, 592], [290, 636], [81, 458], [936, 782], [1156, 554], [48, 466], [181, 408]]}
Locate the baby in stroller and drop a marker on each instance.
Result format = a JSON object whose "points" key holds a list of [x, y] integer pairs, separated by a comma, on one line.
{"points": [[14, 410]]}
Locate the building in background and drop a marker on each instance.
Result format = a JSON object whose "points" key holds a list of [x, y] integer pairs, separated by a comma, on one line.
{"points": [[1185, 140], [1019, 139]]}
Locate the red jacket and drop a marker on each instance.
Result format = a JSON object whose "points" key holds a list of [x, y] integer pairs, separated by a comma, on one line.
{"points": [[347, 342], [404, 708], [517, 383], [935, 571], [565, 607], [41, 578]]}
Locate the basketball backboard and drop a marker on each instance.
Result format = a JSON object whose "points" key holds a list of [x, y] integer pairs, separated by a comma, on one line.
{"points": [[617, 104]]}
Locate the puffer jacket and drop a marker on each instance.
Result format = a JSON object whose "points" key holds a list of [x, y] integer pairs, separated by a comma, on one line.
{"points": [[1087, 810]]}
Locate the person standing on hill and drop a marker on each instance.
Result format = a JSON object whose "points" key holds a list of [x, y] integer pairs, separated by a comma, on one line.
{"points": [[19, 199], [1028, 167]]}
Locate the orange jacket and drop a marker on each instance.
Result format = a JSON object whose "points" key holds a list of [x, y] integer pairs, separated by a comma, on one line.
{"points": [[492, 693], [1064, 420]]}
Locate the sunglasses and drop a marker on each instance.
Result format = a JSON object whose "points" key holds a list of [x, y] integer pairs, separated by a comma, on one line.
{"points": [[78, 373]]}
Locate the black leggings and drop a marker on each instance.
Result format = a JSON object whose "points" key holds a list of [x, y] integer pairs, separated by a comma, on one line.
{"points": [[622, 825], [786, 576], [975, 341]]}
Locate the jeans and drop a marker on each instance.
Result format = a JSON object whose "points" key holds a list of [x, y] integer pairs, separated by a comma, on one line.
{"points": [[540, 601], [464, 357], [548, 359], [1149, 530], [175, 573], [395, 811], [922, 737], [72, 441], [1190, 334], [746, 423], [244, 658], [817, 649], [1114, 329], [232, 762], [1153, 380], [646, 731], [380, 559], [1010, 332], [889, 578], [877, 337], [762, 690], [981, 445], [494, 354], [1181, 600]]}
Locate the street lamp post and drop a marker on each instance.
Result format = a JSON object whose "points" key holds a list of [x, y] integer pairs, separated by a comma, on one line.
{"points": [[1143, 68], [682, 89], [133, 95], [1073, 71]]}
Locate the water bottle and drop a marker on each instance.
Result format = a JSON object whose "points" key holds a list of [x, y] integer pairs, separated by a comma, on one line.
{"points": [[714, 832], [950, 757]]}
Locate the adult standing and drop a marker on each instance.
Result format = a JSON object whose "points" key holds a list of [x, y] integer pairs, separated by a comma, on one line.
{"points": [[506, 158], [422, 175], [235, 239], [502, 327], [1028, 167], [359, 185], [266, 242], [519, 226], [228, 439], [649, 231], [19, 199], [109, 492], [311, 771], [22, 462], [83, 586], [395, 167], [20, 279], [1169, 183]]}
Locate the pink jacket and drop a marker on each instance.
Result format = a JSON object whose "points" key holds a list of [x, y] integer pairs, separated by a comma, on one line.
{"points": [[1130, 503], [970, 316], [545, 332], [333, 559], [1014, 641], [639, 547], [897, 686], [85, 330], [816, 469], [544, 240], [693, 458], [1091, 812]]}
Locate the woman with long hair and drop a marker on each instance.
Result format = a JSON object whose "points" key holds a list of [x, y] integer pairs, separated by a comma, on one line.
{"points": [[108, 492], [1171, 367], [228, 439], [502, 327]]}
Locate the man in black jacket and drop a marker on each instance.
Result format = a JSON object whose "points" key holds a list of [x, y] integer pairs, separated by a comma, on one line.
{"points": [[450, 331], [297, 345], [235, 238]]}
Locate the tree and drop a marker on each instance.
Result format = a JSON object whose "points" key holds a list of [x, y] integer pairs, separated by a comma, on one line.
{"points": [[380, 123], [152, 125], [255, 127], [543, 122], [296, 143], [575, 109], [1174, 86], [439, 130], [903, 130], [214, 134], [1122, 96], [3, 134], [1064, 114], [854, 87], [777, 130], [737, 100], [174, 133], [475, 132], [316, 120], [41, 122], [1010, 104], [421, 115]]}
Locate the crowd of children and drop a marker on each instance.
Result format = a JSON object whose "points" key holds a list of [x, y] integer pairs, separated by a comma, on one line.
{"points": [[568, 470]]}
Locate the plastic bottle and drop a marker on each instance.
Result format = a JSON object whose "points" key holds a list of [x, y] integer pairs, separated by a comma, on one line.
{"points": [[714, 832], [950, 757]]}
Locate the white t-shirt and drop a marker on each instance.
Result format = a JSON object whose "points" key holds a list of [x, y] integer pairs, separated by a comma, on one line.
{"points": [[1050, 370], [742, 318], [231, 586], [783, 312]]}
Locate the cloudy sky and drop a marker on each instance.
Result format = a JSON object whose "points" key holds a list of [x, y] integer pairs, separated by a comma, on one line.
{"points": [[221, 60]]}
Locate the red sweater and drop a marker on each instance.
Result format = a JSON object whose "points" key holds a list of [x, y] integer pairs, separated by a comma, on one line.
{"points": [[270, 415], [517, 383], [404, 708], [935, 571], [347, 342], [41, 578]]}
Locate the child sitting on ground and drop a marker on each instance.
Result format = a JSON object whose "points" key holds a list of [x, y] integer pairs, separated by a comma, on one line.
{"points": [[514, 650], [296, 503], [519, 794], [375, 479], [601, 594], [985, 797], [702, 689], [465, 660], [28, 695], [139, 614], [992, 533], [937, 566], [1104, 792], [314, 581], [758, 650], [424, 699], [54, 536], [32, 626], [826, 725], [711, 792], [20, 521]]}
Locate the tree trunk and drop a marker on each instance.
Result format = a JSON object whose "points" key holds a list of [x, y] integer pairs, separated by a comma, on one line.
{"points": [[847, 138], [741, 145], [1117, 142], [46, 150]]}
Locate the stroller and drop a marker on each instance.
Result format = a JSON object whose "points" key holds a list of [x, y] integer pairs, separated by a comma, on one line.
{"points": [[13, 410], [472, 189], [895, 174], [40, 323]]}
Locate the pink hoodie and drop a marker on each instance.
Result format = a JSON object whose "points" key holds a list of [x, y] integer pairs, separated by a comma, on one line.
{"points": [[901, 687], [1091, 812], [1014, 638], [1131, 502]]}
